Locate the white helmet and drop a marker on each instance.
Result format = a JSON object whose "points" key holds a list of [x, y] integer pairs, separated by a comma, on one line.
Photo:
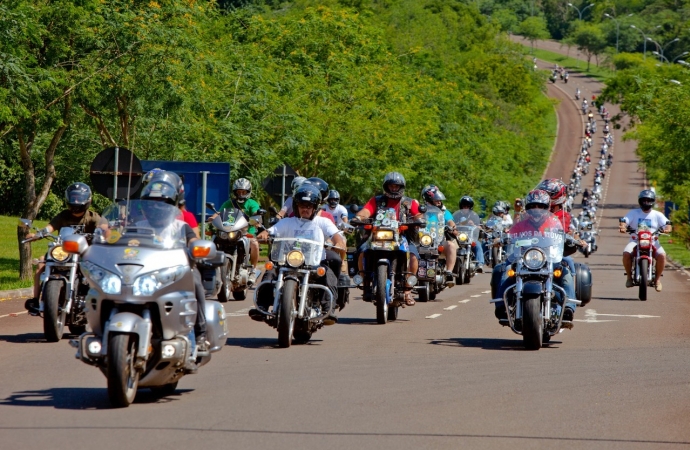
{"points": [[296, 183]]}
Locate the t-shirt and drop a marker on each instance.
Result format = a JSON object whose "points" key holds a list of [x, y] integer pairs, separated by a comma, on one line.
{"points": [[321, 213], [90, 220], [327, 227], [189, 219], [565, 218], [447, 216], [250, 207], [393, 203], [338, 212], [308, 229], [656, 218], [287, 207], [526, 228]]}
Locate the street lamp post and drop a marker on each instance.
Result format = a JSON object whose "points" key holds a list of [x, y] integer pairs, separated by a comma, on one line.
{"points": [[644, 40], [662, 48], [679, 56], [660, 56], [618, 26], [583, 9]]}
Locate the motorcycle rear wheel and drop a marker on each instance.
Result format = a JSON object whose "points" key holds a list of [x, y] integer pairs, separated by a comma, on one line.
{"points": [[424, 293], [381, 305], [286, 319], [123, 379], [644, 267], [532, 323], [53, 319]]}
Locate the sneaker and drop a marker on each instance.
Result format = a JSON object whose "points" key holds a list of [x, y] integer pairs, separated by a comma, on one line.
{"points": [[480, 268], [343, 280], [501, 314], [257, 315], [628, 283], [450, 278], [31, 305], [568, 315], [330, 318], [202, 344], [657, 286]]}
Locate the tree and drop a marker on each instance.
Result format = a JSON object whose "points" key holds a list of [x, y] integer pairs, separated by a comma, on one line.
{"points": [[589, 39], [533, 28]]}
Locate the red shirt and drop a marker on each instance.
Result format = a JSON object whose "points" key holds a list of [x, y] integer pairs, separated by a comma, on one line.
{"points": [[391, 203], [526, 227], [189, 219], [564, 218]]}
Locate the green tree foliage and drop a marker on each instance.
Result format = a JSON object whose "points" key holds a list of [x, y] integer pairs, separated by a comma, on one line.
{"points": [[589, 39], [533, 28]]}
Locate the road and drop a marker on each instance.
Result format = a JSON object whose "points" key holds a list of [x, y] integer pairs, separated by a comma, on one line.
{"points": [[445, 375]]}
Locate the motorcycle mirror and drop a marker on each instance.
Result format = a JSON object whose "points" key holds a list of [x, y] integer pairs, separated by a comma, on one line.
{"points": [[621, 220], [422, 209], [25, 223], [211, 206], [261, 212], [354, 208], [273, 210], [272, 221]]}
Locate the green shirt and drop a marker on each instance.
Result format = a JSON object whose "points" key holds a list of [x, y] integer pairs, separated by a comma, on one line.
{"points": [[250, 208]]}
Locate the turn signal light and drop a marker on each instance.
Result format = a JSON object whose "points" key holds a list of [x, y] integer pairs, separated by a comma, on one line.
{"points": [[70, 246], [403, 228], [440, 249], [511, 273], [201, 252], [268, 265], [474, 244], [368, 227], [321, 271], [557, 273]]}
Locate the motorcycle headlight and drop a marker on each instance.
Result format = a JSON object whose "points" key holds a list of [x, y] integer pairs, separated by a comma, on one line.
{"points": [[233, 235], [59, 254], [425, 240], [534, 259], [109, 282], [146, 285], [223, 235], [644, 243], [295, 258], [384, 235], [462, 237]]}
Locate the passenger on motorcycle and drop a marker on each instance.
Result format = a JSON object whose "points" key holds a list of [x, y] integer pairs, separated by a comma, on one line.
{"points": [[78, 197], [433, 196], [499, 210], [286, 210], [334, 207], [241, 193], [407, 209], [307, 199], [466, 205], [539, 220], [658, 220]]}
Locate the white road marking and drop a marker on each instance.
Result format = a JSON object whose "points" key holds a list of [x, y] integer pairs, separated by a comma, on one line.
{"points": [[450, 308], [486, 292], [591, 316], [240, 313], [467, 300], [13, 314], [475, 296], [433, 316]]}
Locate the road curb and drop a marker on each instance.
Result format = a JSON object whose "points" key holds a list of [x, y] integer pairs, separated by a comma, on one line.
{"points": [[16, 293]]}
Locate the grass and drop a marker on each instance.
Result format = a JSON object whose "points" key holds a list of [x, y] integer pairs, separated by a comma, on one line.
{"points": [[572, 64], [676, 250], [9, 253]]}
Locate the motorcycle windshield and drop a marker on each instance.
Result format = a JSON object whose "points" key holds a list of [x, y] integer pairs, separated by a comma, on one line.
{"points": [[548, 236], [287, 251], [495, 223], [467, 234], [435, 224], [144, 223], [230, 219]]}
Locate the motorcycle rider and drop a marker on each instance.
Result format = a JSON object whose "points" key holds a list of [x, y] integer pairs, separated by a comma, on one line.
{"points": [[78, 197], [466, 204], [307, 199], [407, 209], [241, 193], [646, 200], [539, 219], [434, 197], [286, 210], [519, 210], [334, 207]]}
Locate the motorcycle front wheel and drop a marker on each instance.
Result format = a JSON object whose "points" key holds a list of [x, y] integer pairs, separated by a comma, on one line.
{"points": [[495, 256], [423, 292], [53, 315], [461, 270], [644, 267], [225, 288], [286, 318], [532, 323], [123, 379], [381, 305]]}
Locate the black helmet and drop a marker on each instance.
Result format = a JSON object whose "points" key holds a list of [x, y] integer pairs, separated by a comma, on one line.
{"points": [[537, 205], [306, 193], [646, 199], [333, 198], [466, 202], [320, 184], [241, 184], [431, 194], [78, 197], [164, 186], [498, 208], [393, 178]]}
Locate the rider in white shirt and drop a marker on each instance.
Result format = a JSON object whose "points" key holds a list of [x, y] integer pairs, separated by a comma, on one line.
{"points": [[333, 206]]}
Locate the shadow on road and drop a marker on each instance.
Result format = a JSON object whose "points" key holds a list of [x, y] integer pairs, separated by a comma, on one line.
{"points": [[252, 342], [363, 321], [80, 398], [483, 343], [621, 299], [26, 338]]}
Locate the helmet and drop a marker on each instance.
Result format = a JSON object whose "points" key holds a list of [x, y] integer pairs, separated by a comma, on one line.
{"points": [[241, 184], [321, 185], [333, 198], [78, 197], [646, 199], [505, 204], [466, 202], [432, 194], [556, 189], [393, 178], [150, 174], [164, 186], [296, 182], [498, 208], [537, 205], [306, 193]]}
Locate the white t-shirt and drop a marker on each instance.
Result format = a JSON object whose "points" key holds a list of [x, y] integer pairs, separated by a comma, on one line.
{"points": [[308, 229], [507, 220], [328, 228], [656, 218], [338, 212], [286, 210]]}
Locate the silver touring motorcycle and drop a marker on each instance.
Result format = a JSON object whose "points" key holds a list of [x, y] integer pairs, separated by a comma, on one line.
{"points": [[141, 305]]}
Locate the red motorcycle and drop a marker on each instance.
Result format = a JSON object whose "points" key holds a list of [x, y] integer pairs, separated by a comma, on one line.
{"points": [[644, 256]]}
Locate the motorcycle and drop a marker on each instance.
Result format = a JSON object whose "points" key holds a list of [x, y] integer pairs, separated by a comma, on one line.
{"points": [[62, 285], [533, 309], [467, 238], [141, 304], [430, 274], [644, 256], [494, 252], [385, 263], [229, 272], [587, 234], [296, 312], [577, 94]]}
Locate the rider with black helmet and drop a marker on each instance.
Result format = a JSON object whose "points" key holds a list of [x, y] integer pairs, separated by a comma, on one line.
{"points": [[466, 204], [433, 196], [646, 211], [407, 209], [78, 198]]}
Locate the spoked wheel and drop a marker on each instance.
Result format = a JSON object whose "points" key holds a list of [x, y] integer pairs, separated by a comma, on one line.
{"points": [[286, 317], [381, 305], [53, 315], [644, 279], [532, 323], [123, 378], [423, 292]]}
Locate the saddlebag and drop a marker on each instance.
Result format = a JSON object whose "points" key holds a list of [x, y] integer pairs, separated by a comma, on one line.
{"points": [[583, 283]]}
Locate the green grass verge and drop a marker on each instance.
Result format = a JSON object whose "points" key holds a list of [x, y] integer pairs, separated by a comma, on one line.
{"points": [[676, 250], [572, 64], [9, 253]]}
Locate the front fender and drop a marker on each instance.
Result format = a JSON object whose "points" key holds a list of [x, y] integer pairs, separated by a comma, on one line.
{"points": [[531, 289], [129, 323]]}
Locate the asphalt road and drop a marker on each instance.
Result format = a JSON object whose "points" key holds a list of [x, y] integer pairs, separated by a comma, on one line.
{"points": [[445, 375]]}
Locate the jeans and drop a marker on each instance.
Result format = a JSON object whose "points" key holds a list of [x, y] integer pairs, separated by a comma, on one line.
{"points": [[568, 281], [200, 324], [478, 253]]}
